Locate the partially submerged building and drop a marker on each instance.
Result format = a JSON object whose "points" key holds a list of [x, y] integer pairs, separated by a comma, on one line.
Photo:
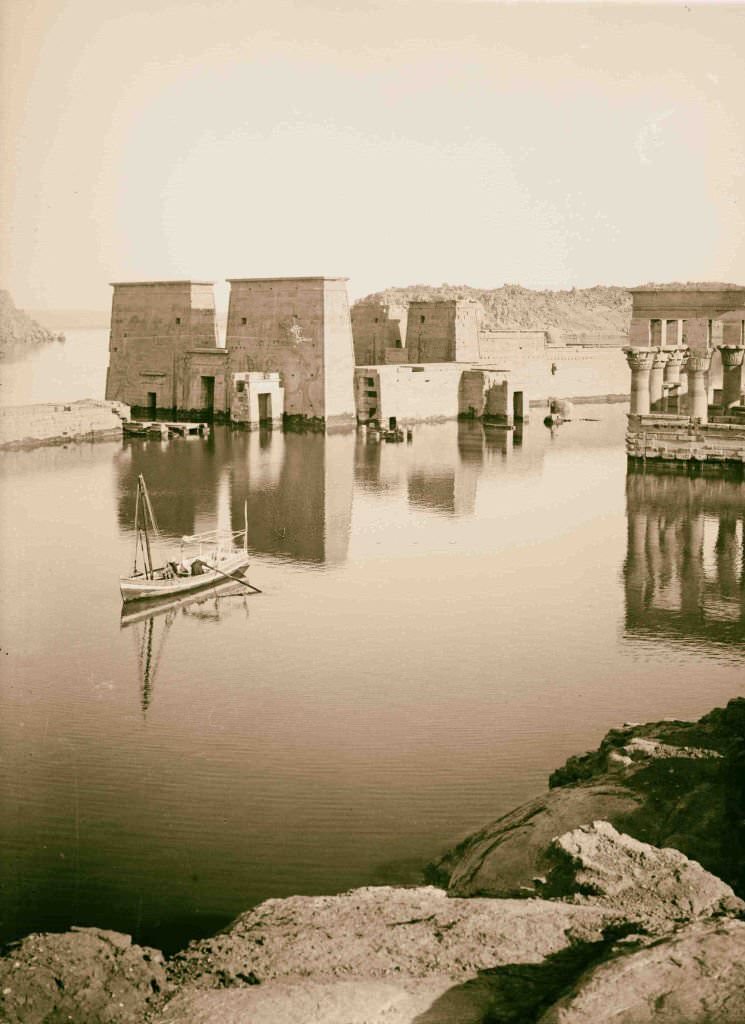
{"points": [[294, 352], [163, 351], [684, 339], [288, 350], [301, 328]]}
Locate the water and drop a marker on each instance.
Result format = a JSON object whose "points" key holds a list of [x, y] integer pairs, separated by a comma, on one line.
{"points": [[58, 372], [441, 625]]}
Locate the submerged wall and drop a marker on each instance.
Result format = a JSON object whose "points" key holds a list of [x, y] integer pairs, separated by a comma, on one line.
{"points": [[57, 423]]}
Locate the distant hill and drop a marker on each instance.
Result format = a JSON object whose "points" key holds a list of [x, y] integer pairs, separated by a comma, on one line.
{"points": [[61, 319], [18, 332], [599, 310]]}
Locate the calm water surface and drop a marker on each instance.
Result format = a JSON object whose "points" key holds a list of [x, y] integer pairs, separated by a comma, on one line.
{"points": [[441, 625]]}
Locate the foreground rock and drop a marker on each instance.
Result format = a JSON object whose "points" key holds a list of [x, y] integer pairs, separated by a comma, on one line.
{"points": [[671, 784], [624, 932], [417, 957], [655, 889], [87, 976], [695, 977], [374, 954], [382, 931]]}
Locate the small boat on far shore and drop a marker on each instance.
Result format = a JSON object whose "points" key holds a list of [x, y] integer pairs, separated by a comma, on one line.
{"points": [[202, 561]]}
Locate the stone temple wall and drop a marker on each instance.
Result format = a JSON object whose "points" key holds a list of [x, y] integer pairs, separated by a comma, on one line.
{"points": [[443, 332], [301, 328], [377, 327], [153, 325]]}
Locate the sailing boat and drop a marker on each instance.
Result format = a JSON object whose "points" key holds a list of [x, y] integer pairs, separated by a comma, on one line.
{"points": [[203, 559]]}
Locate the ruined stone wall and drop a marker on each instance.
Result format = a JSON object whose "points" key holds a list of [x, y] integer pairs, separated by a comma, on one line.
{"points": [[57, 423], [376, 327], [577, 373], [245, 407], [504, 348], [153, 325], [295, 326], [411, 392]]}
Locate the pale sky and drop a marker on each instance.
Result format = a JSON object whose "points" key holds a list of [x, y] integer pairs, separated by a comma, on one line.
{"points": [[387, 141]]}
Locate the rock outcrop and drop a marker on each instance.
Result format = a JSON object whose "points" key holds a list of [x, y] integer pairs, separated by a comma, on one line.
{"points": [[671, 784], [18, 332], [592, 311], [87, 975], [695, 977], [652, 888], [623, 932]]}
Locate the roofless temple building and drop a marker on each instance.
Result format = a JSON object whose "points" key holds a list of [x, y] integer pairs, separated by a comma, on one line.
{"points": [[682, 339]]}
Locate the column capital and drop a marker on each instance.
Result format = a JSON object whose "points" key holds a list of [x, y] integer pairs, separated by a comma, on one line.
{"points": [[640, 358], [675, 356], [698, 362], [732, 355], [660, 359]]}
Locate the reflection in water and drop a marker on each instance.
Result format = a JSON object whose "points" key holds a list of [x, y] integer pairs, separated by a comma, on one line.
{"points": [[371, 709], [440, 471], [209, 606], [297, 489], [684, 567]]}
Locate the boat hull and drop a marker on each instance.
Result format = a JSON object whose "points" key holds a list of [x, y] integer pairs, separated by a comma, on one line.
{"points": [[139, 588]]}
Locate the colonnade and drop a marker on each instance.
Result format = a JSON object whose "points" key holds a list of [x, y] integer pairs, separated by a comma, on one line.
{"points": [[653, 368]]}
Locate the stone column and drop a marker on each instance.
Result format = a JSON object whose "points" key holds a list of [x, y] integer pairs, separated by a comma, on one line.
{"points": [[655, 378], [732, 358], [640, 361], [697, 365], [671, 378], [675, 360], [672, 333]]}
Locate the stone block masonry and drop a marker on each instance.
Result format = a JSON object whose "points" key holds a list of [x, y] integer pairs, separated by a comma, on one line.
{"points": [[28, 426], [257, 400], [446, 331], [301, 328], [376, 328], [154, 326]]}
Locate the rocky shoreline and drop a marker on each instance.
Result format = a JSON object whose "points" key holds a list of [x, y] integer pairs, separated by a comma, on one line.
{"points": [[614, 897]]}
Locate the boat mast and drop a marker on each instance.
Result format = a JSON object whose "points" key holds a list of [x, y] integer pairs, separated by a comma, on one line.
{"points": [[146, 509], [137, 527], [245, 526]]}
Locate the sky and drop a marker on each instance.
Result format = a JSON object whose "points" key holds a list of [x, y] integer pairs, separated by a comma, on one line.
{"points": [[392, 142]]}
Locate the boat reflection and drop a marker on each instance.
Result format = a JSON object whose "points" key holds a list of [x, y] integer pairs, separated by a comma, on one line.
{"points": [[208, 606], [683, 573]]}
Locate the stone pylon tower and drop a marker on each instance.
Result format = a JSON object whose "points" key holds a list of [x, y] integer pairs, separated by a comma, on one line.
{"points": [[154, 324], [444, 331], [301, 327]]}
